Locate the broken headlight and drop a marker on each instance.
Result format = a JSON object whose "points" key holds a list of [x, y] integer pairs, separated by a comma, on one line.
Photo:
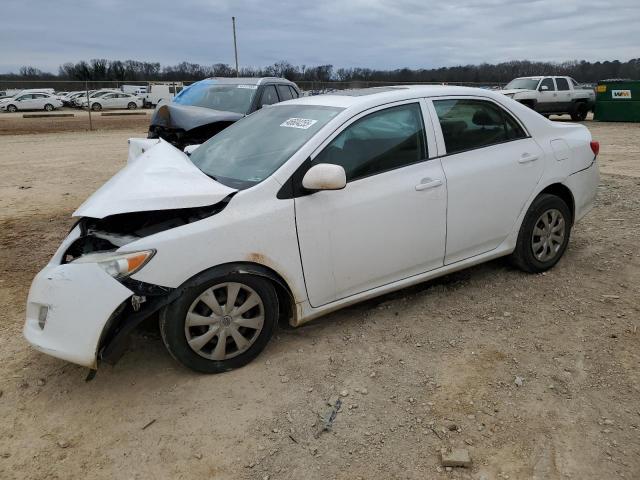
{"points": [[118, 265]]}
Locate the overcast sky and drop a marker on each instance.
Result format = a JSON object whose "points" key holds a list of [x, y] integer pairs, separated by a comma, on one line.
{"points": [[366, 33]]}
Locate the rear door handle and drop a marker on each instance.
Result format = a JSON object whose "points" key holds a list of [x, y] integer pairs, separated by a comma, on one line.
{"points": [[527, 157], [428, 183]]}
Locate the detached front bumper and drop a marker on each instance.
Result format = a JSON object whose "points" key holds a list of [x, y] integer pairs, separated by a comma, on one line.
{"points": [[69, 306]]}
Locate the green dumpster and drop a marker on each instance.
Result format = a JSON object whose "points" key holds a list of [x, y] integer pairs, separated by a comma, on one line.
{"points": [[618, 101]]}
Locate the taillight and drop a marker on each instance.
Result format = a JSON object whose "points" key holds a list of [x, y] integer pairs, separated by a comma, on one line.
{"points": [[595, 147]]}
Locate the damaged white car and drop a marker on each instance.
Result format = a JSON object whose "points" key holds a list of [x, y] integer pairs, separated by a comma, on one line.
{"points": [[305, 207]]}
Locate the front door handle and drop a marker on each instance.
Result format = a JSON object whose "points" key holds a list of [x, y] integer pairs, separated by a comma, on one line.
{"points": [[427, 183], [527, 157]]}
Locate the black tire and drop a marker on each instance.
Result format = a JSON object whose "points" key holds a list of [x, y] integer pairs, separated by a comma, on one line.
{"points": [[580, 112], [48, 107], [132, 106], [12, 109], [524, 257], [174, 315], [96, 107], [530, 104]]}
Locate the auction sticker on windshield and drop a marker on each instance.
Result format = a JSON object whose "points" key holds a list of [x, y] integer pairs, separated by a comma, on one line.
{"points": [[302, 123], [251, 87]]}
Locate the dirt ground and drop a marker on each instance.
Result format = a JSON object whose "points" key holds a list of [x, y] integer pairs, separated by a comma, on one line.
{"points": [[430, 367]]}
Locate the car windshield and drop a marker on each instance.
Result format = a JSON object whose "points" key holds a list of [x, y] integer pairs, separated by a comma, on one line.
{"points": [[253, 148], [209, 94], [524, 83]]}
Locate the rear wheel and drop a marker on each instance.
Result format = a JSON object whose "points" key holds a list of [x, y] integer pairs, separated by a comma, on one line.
{"points": [[48, 107], [132, 106], [220, 324], [580, 112], [544, 234]]}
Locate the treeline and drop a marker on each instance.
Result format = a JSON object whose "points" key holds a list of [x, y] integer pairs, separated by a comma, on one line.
{"points": [[133, 70]]}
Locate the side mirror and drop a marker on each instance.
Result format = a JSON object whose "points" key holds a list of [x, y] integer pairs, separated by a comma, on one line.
{"points": [[544, 88], [325, 176]]}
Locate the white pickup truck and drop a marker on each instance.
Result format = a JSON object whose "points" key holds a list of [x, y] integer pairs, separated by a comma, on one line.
{"points": [[552, 95]]}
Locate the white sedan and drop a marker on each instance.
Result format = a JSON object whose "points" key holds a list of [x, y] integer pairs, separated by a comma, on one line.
{"points": [[113, 100], [305, 207], [31, 101]]}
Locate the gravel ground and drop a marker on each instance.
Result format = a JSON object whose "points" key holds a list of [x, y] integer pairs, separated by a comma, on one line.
{"points": [[536, 376]]}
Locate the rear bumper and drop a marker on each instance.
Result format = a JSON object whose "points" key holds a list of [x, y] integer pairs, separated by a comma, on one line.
{"points": [[584, 186]]}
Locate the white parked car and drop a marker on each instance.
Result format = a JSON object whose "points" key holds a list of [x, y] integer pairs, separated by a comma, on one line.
{"points": [[81, 100], [304, 207], [113, 100], [31, 101]]}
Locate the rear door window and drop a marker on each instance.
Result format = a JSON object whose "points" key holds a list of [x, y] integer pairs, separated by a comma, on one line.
{"points": [[468, 124], [562, 84], [284, 93]]}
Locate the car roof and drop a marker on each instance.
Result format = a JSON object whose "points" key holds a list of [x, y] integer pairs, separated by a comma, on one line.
{"points": [[249, 80], [369, 97]]}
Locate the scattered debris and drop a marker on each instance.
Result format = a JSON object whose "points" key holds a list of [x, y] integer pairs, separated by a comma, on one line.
{"points": [[63, 443], [457, 457], [198, 456], [40, 382], [329, 417], [149, 424], [519, 381]]}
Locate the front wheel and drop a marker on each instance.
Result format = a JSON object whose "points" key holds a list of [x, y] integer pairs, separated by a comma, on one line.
{"points": [[220, 324], [48, 107], [96, 107], [544, 234], [132, 106], [579, 113], [12, 109]]}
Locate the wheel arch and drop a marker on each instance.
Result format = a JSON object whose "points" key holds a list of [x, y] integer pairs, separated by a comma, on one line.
{"points": [[112, 341], [528, 102], [286, 300], [562, 191]]}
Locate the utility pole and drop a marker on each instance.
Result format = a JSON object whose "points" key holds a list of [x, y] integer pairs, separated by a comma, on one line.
{"points": [[235, 44]]}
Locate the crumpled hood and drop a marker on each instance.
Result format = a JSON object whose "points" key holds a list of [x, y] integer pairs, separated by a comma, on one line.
{"points": [[188, 117], [514, 90], [162, 178]]}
